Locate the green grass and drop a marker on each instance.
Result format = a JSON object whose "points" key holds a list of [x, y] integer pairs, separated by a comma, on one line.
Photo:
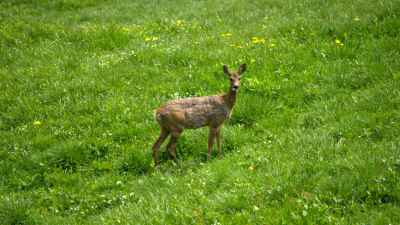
{"points": [[317, 116]]}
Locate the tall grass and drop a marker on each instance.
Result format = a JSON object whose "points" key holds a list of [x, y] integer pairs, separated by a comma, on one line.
{"points": [[313, 138]]}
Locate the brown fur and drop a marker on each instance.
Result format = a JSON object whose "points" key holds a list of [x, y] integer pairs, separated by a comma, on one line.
{"points": [[191, 113]]}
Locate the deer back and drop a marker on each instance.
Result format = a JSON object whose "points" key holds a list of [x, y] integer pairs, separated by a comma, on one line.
{"points": [[193, 113]]}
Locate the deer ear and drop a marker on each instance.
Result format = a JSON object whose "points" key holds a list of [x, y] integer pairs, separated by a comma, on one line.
{"points": [[227, 71], [242, 69]]}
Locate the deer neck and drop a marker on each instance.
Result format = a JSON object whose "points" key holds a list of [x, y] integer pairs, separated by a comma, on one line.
{"points": [[230, 98]]}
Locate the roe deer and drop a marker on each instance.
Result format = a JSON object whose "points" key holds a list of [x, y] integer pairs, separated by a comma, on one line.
{"points": [[192, 113]]}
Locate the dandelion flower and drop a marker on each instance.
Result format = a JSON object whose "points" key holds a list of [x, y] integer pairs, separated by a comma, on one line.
{"points": [[228, 34], [357, 18], [272, 45], [256, 41], [155, 39], [179, 22], [104, 64], [219, 20], [212, 37], [251, 168], [253, 60], [337, 42], [37, 122], [196, 42], [265, 18], [254, 38], [207, 38], [341, 44], [232, 45], [312, 33], [147, 39], [239, 46], [262, 41], [223, 35], [194, 27], [126, 29], [154, 46]]}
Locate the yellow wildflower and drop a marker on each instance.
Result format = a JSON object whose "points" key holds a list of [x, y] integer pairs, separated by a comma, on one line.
{"points": [[154, 46], [219, 20], [194, 27], [196, 42], [253, 60], [155, 39], [262, 41], [312, 33], [341, 44], [228, 34], [37, 122], [147, 39], [356, 19], [251, 168], [239, 46], [223, 35], [265, 18], [199, 27], [104, 64], [179, 22], [126, 29], [256, 41], [254, 38], [212, 37], [272, 45], [232, 45], [337, 42], [207, 38]]}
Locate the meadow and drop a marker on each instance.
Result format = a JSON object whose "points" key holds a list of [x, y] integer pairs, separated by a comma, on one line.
{"points": [[313, 138]]}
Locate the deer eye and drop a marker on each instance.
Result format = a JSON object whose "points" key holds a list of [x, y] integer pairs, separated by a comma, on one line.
{"points": [[240, 78], [231, 79]]}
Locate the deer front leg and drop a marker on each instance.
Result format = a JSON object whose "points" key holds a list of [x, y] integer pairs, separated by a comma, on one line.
{"points": [[218, 137], [211, 137]]}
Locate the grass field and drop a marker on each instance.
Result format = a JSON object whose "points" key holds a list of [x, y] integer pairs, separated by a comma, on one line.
{"points": [[313, 138]]}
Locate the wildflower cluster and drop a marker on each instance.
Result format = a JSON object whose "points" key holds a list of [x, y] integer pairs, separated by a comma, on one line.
{"points": [[255, 40]]}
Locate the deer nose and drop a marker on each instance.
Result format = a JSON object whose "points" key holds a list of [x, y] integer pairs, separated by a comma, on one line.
{"points": [[236, 86]]}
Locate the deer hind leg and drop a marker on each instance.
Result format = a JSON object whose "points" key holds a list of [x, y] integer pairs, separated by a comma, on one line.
{"points": [[218, 137], [164, 134], [211, 137], [171, 144]]}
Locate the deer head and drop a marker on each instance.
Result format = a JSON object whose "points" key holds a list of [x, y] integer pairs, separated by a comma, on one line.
{"points": [[234, 77]]}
